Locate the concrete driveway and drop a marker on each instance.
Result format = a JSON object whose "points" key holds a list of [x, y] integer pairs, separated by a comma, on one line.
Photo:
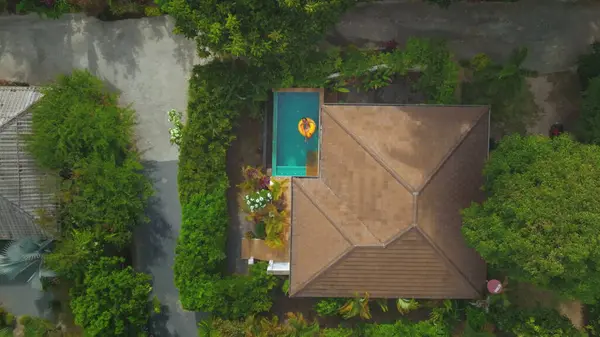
{"points": [[150, 67], [556, 32]]}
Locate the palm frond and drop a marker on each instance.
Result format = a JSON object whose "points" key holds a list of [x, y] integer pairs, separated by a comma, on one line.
{"points": [[382, 304], [405, 306]]}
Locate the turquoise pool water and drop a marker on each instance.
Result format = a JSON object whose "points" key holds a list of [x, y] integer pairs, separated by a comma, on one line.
{"points": [[290, 150]]}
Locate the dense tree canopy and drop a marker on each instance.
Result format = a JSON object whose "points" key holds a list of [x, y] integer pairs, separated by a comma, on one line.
{"points": [[114, 302], [255, 29], [541, 221]]}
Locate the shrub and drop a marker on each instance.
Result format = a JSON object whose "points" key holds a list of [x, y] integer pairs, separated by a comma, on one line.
{"points": [[438, 72], [534, 322], [588, 125], [505, 88], [106, 196], [588, 65], [540, 219], [71, 255], [77, 118], [152, 11], [49, 8], [79, 130], [329, 306], [35, 326], [105, 285]]}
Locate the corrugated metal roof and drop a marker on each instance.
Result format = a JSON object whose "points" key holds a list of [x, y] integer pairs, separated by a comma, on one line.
{"points": [[15, 100], [384, 215], [22, 184]]}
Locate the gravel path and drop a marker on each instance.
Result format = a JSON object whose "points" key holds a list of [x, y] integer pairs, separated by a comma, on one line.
{"points": [[150, 67]]}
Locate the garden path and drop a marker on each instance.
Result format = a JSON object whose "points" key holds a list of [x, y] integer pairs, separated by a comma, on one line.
{"points": [[150, 66]]}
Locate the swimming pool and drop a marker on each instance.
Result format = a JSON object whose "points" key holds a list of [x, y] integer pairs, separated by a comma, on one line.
{"points": [[292, 155]]}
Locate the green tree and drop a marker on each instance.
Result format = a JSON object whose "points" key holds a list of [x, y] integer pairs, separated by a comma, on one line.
{"points": [[256, 30], [588, 125], [108, 197], [113, 301], [541, 220], [77, 118], [74, 252]]}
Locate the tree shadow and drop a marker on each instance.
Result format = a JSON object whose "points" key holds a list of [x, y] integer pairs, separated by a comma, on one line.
{"points": [[158, 324], [150, 237]]}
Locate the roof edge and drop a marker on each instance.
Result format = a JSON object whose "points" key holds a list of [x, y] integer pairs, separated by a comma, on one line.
{"points": [[448, 262], [318, 274]]}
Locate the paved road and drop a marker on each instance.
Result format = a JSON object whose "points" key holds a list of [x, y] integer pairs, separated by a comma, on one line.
{"points": [[554, 31], [150, 67]]}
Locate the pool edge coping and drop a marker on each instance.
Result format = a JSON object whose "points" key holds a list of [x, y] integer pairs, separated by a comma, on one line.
{"points": [[321, 92]]}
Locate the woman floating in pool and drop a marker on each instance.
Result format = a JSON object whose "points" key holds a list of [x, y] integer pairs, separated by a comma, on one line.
{"points": [[307, 128]]}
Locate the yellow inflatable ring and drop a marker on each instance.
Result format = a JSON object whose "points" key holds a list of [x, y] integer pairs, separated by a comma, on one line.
{"points": [[312, 127]]}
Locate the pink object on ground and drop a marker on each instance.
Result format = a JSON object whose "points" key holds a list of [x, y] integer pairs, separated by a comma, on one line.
{"points": [[494, 287]]}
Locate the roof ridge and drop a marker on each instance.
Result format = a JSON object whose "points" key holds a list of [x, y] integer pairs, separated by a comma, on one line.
{"points": [[375, 156], [25, 109], [451, 151], [446, 260], [321, 210], [331, 263], [17, 207]]}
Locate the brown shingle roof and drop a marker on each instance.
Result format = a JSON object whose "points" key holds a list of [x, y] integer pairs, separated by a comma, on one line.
{"points": [[384, 216]]}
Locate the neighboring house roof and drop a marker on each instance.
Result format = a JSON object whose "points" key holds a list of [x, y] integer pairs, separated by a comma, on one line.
{"points": [[384, 215], [21, 192]]}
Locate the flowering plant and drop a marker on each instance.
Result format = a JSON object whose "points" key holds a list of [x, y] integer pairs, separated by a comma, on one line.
{"points": [[175, 132], [258, 200]]}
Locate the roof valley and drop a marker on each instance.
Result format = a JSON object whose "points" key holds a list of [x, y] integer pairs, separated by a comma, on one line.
{"points": [[464, 136]]}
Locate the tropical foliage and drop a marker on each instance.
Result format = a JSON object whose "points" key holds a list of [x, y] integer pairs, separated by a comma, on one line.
{"points": [[80, 132], [77, 118], [83, 136], [504, 87], [257, 31], [542, 213], [105, 284], [26, 256]]}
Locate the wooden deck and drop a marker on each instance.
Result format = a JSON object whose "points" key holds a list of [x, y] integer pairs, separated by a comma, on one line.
{"points": [[312, 164]]}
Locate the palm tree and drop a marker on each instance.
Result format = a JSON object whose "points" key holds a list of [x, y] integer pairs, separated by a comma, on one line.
{"points": [[299, 327], [356, 306], [26, 256]]}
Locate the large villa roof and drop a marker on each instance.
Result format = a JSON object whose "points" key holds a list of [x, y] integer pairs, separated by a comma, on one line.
{"points": [[384, 215]]}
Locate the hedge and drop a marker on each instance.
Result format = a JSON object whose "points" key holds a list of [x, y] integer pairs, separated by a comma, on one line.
{"points": [[218, 91]]}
